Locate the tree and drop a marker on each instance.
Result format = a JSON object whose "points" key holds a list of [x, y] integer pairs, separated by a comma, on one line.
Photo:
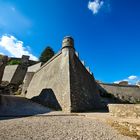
{"points": [[47, 54]]}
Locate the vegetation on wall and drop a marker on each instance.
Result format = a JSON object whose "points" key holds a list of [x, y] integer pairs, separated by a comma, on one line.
{"points": [[14, 62]]}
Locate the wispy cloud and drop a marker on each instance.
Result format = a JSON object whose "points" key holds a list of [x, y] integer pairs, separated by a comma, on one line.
{"points": [[15, 47], [95, 6], [133, 79]]}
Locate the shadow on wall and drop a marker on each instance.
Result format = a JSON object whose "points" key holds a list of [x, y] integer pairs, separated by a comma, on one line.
{"points": [[15, 107], [48, 99]]}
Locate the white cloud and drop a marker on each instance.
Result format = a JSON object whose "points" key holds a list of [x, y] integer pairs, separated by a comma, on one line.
{"points": [[95, 6], [132, 80], [132, 77], [15, 47]]}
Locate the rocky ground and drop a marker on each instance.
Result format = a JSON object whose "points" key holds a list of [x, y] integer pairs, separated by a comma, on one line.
{"points": [[57, 128]]}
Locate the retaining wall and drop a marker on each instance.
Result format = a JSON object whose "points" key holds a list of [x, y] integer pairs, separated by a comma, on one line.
{"points": [[125, 110]]}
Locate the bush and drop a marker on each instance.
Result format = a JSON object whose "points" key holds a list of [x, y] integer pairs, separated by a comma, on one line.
{"points": [[14, 62]]}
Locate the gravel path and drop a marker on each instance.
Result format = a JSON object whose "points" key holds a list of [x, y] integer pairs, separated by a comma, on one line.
{"points": [[57, 128]]}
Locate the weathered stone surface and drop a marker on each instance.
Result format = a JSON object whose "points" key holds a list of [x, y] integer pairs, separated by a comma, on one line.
{"points": [[124, 93], [20, 72], [125, 110], [74, 87], [27, 80], [47, 98], [34, 68], [84, 92], [29, 75], [9, 72], [13, 106], [53, 75], [15, 74]]}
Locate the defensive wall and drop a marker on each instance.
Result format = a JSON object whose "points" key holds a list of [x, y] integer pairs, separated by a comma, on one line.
{"points": [[128, 93], [9, 72], [15, 74], [64, 82], [28, 77]]}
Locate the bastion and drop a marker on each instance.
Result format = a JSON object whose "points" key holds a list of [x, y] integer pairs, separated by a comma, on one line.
{"points": [[64, 83]]}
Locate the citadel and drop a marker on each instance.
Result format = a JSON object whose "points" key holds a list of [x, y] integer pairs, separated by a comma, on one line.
{"points": [[63, 83]]}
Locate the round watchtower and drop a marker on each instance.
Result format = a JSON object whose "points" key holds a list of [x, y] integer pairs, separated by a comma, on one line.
{"points": [[68, 42]]}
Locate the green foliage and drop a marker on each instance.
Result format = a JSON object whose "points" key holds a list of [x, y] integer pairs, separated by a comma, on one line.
{"points": [[14, 62], [47, 54]]}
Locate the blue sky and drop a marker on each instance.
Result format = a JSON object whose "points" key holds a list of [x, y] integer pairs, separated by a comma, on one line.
{"points": [[106, 32]]}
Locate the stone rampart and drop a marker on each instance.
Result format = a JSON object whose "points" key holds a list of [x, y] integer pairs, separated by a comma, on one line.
{"points": [[84, 92], [20, 72], [28, 77], [15, 74], [64, 83], [27, 80], [52, 76], [128, 93]]}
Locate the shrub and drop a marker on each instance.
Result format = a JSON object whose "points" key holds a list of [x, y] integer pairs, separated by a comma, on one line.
{"points": [[14, 62]]}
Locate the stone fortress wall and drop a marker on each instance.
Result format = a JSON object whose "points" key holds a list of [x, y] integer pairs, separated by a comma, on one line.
{"points": [[15, 74], [52, 78], [68, 83], [126, 93], [9, 72], [83, 86], [65, 79], [29, 75]]}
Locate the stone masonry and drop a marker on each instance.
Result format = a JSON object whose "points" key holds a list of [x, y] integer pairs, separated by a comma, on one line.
{"points": [[15, 74], [66, 82]]}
